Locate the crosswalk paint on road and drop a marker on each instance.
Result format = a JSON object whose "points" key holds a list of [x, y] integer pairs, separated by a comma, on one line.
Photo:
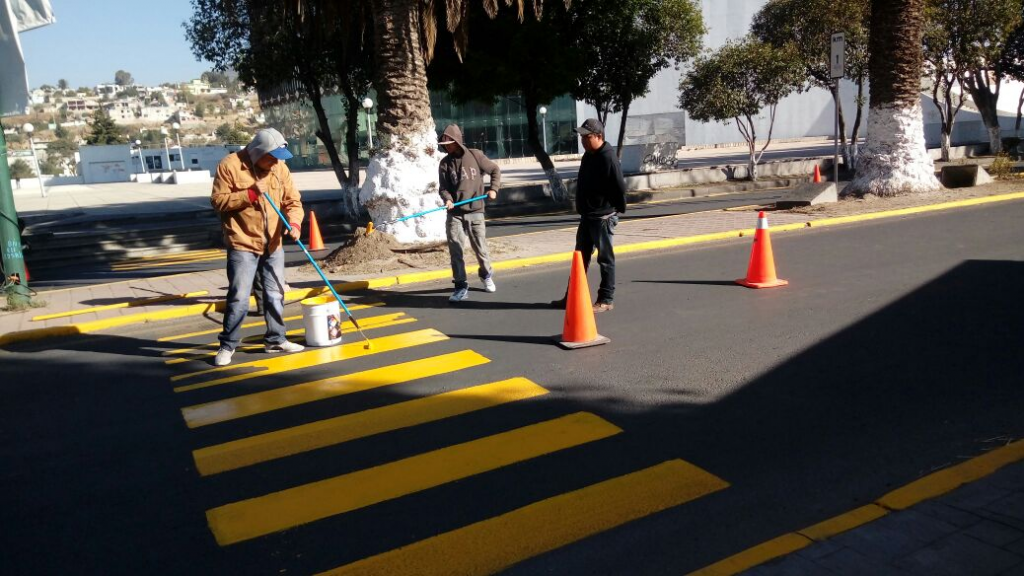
{"points": [[306, 437], [292, 507]]}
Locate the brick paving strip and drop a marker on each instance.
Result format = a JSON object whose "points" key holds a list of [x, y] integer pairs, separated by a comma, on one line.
{"points": [[529, 249]]}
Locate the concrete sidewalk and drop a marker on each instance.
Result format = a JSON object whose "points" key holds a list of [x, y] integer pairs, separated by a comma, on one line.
{"points": [[105, 307], [965, 520]]}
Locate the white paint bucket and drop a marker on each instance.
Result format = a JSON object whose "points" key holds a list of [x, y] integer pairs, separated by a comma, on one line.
{"points": [[322, 318]]}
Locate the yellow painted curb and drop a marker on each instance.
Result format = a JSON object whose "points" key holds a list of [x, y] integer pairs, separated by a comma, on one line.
{"points": [[430, 275], [926, 488]]}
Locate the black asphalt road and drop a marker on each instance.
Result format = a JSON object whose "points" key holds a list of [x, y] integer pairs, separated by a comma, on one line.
{"points": [[894, 351], [99, 273]]}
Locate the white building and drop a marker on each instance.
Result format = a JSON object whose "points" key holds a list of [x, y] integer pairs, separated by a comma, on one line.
{"points": [[121, 163]]}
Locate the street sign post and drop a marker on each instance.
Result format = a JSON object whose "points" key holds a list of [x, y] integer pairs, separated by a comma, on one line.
{"points": [[837, 65]]}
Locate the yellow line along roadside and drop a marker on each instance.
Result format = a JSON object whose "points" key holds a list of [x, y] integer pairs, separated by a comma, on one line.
{"points": [[926, 488], [418, 277]]}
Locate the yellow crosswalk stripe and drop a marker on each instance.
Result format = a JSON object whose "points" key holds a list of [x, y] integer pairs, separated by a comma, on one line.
{"points": [[270, 400], [172, 256], [352, 307], [312, 357], [495, 544], [368, 323], [133, 267], [127, 304], [278, 511], [298, 439]]}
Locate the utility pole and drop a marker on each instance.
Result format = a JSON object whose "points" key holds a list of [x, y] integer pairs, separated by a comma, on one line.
{"points": [[10, 237]]}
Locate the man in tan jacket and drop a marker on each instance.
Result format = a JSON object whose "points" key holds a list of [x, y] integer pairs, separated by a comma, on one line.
{"points": [[253, 234]]}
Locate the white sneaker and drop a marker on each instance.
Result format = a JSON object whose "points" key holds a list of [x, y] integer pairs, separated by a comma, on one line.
{"points": [[459, 295], [489, 284], [223, 357], [285, 346]]}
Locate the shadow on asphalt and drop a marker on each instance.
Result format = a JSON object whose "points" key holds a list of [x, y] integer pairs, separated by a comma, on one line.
{"points": [[692, 282], [99, 456]]}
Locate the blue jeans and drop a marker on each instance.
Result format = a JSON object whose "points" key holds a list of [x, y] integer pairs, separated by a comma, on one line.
{"points": [[597, 233], [472, 225], [242, 269]]}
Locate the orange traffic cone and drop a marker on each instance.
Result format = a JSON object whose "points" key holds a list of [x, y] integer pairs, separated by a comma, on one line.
{"points": [[579, 329], [817, 174], [761, 270], [316, 242]]}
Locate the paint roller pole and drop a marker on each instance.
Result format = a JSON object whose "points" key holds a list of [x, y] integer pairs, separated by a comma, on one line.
{"points": [[370, 227], [318, 270]]}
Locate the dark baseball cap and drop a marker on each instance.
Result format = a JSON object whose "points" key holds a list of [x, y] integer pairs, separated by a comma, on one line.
{"points": [[590, 126]]}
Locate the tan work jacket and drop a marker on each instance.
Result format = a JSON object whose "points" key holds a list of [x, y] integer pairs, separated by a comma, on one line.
{"points": [[244, 222]]}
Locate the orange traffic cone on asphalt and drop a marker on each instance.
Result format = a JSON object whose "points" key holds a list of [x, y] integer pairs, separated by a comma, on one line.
{"points": [[579, 329], [316, 242], [817, 174], [761, 270]]}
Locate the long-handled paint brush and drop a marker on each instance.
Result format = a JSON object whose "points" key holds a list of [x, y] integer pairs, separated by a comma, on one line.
{"points": [[370, 227], [327, 282]]}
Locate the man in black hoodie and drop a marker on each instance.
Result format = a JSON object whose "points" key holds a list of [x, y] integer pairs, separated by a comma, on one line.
{"points": [[461, 176], [600, 198]]}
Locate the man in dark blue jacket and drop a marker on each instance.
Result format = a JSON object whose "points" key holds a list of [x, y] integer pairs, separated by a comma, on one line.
{"points": [[600, 198]]}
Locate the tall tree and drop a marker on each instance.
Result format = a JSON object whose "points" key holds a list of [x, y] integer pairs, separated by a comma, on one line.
{"points": [[1013, 66], [62, 84], [530, 63], [123, 78], [946, 63], [103, 130], [273, 42], [988, 25], [626, 43], [895, 160], [402, 175], [807, 27], [736, 83]]}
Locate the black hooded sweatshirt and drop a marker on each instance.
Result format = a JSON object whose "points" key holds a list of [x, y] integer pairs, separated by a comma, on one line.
{"points": [[600, 188], [462, 177]]}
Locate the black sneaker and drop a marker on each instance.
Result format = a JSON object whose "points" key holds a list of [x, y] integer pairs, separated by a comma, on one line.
{"points": [[558, 304]]}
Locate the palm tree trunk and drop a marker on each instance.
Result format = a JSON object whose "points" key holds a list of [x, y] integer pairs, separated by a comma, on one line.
{"points": [[401, 178], [895, 160]]}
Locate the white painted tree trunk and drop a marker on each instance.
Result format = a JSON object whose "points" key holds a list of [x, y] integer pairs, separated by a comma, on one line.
{"points": [[402, 180], [995, 138], [895, 160], [559, 193], [945, 144]]}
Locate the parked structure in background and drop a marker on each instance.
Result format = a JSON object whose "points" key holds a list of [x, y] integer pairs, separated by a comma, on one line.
{"points": [[121, 163]]}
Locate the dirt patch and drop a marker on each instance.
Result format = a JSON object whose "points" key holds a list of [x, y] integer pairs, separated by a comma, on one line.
{"points": [[381, 252], [871, 203]]}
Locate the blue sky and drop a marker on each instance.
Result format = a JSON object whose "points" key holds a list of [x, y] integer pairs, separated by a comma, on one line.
{"points": [[93, 39]]}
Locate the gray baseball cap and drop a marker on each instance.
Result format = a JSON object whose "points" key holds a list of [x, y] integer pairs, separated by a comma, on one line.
{"points": [[268, 141], [590, 126]]}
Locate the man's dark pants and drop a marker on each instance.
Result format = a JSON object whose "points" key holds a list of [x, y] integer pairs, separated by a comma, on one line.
{"points": [[597, 233]]}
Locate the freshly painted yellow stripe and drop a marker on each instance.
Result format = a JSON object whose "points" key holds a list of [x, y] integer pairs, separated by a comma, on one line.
{"points": [[270, 400], [916, 210], [770, 550], [306, 437], [368, 323], [304, 504], [926, 488], [844, 522], [315, 357], [132, 267], [172, 256], [129, 304], [949, 479], [495, 544], [352, 307]]}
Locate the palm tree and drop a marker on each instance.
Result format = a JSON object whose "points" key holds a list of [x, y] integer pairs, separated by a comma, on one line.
{"points": [[895, 160], [402, 176]]}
